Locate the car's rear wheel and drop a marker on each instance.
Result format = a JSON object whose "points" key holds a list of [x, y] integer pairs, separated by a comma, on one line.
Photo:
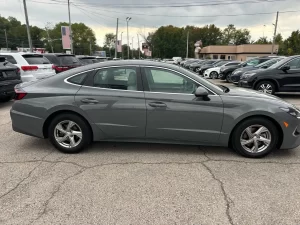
{"points": [[255, 137], [69, 133], [228, 77], [266, 87], [214, 75]]}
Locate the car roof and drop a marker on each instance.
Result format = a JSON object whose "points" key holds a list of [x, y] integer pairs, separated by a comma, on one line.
{"points": [[59, 54]]}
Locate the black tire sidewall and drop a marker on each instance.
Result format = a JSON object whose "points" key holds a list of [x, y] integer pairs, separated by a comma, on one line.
{"points": [[265, 82], [227, 77], [253, 121], [86, 133]]}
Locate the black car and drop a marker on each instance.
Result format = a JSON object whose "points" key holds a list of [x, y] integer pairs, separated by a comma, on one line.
{"points": [[188, 62], [236, 75], [62, 62], [195, 65], [9, 78], [283, 76], [86, 60], [226, 72], [209, 64]]}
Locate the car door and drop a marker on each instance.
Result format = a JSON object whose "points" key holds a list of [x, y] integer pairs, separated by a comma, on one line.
{"points": [[290, 79], [173, 111], [113, 99]]}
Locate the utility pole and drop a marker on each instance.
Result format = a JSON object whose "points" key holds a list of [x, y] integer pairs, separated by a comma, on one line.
{"points": [[27, 26], [127, 20], [132, 48], [139, 46], [122, 45], [6, 39], [275, 30], [116, 42], [70, 28], [187, 45], [90, 47], [49, 40]]}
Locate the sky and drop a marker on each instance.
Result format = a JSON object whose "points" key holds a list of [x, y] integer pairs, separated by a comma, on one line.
{"points": [[101, 15]]}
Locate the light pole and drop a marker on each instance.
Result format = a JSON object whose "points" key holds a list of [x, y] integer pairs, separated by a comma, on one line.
{"points": [[122, 44], [70, 29], [132, 48], [127, 20], [27, 25]]}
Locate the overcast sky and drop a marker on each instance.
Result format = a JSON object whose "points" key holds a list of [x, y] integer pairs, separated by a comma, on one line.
{"points": [[101, 15]]}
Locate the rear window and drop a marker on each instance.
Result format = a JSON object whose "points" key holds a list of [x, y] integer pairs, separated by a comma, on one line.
{"points": [[51, 58], [36, 59], [10, 59], [87, 61], [78, 79], [68, 60]]}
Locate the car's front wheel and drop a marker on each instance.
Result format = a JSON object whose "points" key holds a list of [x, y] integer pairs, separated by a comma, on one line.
{"points": [[214, 75], [69, 133], [266, 87], [255, 137]]}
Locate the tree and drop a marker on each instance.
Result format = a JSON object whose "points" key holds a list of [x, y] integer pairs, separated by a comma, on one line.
{"points": [[263, 40], [110, 39], [231, 35]]}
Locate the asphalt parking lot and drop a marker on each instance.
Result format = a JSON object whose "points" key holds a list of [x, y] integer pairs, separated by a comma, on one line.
{"points": [[123, 183]]}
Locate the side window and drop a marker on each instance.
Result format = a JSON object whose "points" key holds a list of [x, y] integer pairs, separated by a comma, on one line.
{"points": [[10, 59], [122, 78], [294, 64], [253, 62], [160, 80], [77, 79], [232, 64]]}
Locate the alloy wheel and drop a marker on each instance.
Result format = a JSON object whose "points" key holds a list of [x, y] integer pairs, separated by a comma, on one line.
{"points": [[265, 88], [255, 139], [214, 75], [68, 134]]}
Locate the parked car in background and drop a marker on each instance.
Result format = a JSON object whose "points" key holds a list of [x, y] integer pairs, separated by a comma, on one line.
{"points": [[188, 62], [9, 78], [62, 62], [236, 75], [32, 65], [208, 64], [196, 65], [226, 72], [284, 76], [169, 61], [85, 60], [177, 60], [140, 100], [215, 71]]}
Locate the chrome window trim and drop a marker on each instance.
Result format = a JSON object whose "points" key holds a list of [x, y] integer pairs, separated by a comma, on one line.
{"points": [[182, 75]]}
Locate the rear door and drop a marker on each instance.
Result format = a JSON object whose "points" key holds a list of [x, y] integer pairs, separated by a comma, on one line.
{"points": [[38, 66], [114, 100], [290, 79]]}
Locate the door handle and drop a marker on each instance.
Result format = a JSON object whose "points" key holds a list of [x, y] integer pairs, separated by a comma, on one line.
{"points": [[157, 104], [89, 101]]}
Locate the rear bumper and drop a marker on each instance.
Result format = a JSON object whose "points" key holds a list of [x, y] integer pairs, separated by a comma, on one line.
{"points": [[27, 124], [7, 87]]}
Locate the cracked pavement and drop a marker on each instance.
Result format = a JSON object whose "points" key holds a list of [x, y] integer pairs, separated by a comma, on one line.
{"points": [[132, 183]]}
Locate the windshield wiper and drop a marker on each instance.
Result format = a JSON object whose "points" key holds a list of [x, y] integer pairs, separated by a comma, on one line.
{"points": [[225, 89]]}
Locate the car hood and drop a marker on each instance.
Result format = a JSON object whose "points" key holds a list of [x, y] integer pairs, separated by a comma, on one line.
{"points": [[240, 92], [245, 69]]}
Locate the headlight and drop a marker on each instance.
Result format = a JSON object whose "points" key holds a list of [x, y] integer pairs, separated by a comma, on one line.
{"points": [[292, 111], [247, 75]]}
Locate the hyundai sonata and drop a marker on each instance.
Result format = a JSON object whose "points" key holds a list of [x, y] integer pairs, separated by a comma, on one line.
{"points": [[144, 101]]}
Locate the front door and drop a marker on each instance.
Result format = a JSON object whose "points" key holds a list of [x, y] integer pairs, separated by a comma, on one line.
{"points": [[114, 100], [290, 79], [173, 111]]}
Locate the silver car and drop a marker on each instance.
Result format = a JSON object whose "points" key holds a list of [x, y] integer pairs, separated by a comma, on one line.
{"points": [[145, 101]]}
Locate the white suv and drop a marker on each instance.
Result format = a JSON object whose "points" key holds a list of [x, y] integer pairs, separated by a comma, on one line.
{"points": [[215, 71], [32, 66]]}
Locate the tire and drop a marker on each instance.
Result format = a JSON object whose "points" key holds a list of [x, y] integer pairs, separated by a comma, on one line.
{"points": [[267, 87], [228, 78], [214, 75], [253, 125], [79, 126]]}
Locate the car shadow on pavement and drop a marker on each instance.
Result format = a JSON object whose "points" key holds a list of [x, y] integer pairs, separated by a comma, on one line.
{"points": [[6, 104]]}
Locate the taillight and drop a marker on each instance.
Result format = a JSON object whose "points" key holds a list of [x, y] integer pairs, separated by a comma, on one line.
{"points": [[60, 68], [20, 93], [29, 68]]}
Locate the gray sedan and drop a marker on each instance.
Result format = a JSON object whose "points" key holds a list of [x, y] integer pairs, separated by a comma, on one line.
{"points": [[144, 101]]}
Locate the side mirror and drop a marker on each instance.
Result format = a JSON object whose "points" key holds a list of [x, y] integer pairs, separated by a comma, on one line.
{"points": [[286, 68], [201, 92]]}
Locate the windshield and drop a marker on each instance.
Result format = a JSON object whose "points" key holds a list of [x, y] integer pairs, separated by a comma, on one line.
{"points": [[36, 59], [268, 63], [221, 63], [280, 63]]}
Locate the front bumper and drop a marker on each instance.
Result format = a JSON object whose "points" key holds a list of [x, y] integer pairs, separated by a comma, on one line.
{"points": [[291, 134], [244, 83]]}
